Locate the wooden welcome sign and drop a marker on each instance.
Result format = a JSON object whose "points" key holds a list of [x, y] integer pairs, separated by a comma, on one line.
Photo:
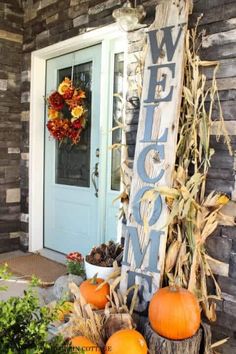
{"points": [[155, 153]]}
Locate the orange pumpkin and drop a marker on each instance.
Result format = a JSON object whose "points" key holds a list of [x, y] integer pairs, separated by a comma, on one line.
{"points": [[85, 345], [92, 295], [126, 341], [174, 313]]}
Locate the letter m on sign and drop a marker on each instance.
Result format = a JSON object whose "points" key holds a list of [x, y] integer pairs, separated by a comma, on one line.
{"points": [[146, 231]]}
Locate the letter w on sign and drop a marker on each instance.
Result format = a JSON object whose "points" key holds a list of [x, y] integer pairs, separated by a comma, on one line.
{"points": [[146, 232]]}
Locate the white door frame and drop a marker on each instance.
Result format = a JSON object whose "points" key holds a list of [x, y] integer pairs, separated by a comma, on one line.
{"points": [[37, 111]]}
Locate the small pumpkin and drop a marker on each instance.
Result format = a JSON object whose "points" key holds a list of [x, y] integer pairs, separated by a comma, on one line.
{"points": [[83, 344], [65, 309], [126, 341], [174, 313], [92, 295]]}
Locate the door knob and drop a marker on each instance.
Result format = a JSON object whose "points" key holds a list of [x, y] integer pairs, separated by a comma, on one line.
{"points": [[94, 176]]}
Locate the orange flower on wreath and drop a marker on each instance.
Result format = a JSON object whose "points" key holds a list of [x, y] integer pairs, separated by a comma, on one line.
{"points": [[79, 94], [76, 99], [53, 113]]}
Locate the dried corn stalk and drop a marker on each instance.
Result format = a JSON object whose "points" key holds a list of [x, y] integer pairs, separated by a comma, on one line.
{"points": [[92, 323], [193, 215]]}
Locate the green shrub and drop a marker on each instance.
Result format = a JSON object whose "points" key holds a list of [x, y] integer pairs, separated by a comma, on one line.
{"points": [[24, 327]]}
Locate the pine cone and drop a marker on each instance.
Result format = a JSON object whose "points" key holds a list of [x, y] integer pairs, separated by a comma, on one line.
{"points": [[106, 254]]}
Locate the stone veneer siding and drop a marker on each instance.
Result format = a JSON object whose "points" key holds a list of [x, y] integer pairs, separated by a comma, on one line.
{"points": [[11, 21], [51, 21]]}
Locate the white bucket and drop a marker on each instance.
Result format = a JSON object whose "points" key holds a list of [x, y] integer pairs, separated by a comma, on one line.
{"points": [[102, 272]]}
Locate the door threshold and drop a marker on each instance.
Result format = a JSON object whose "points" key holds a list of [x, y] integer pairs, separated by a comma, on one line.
{"points": [[53, 255]]}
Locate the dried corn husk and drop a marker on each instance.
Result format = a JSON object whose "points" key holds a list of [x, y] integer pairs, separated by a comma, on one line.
{"points": [[97, 325], [117, 321], [193, 216]]}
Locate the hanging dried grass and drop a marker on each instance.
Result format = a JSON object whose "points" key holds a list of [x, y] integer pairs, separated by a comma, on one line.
{"points": [[194, 216]]}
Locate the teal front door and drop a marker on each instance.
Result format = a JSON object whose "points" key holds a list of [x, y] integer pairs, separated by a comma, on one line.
{"points": [[78, 209]]}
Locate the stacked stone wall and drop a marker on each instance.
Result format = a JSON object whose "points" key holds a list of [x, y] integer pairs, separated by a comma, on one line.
{"points": [[11, 21]]}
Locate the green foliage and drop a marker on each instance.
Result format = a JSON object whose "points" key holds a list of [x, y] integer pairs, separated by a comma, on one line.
{"points": [[4, 275], [24, 327], [75, 268]]}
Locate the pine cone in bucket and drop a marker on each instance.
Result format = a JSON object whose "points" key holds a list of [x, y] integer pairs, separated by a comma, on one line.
{"points": [[106, 254]]}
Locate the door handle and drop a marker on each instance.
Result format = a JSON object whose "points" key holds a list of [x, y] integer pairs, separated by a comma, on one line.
{"points": [[94, 176]]}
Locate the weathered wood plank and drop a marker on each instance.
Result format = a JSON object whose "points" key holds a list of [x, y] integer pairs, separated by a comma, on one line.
{"points": [[230, 208], [219, 144], [219, 38], [229, 95], [144, 252], [230, 127], [219, 186], [229, 111], [219, 52], [222, 160], [218, 27], [227, 68], [225, 95], [201, 5], [219, 13], [224, 84], [222, 173]]}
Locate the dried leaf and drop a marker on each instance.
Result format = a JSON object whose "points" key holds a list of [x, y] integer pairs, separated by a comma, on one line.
{"points": [[220, 342], [172, 255]]}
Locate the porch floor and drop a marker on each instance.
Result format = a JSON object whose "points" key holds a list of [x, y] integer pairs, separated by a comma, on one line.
{"points": [[8, 255], [16, 285]]}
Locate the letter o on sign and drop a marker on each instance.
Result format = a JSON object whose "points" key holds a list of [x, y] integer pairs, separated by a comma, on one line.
{"points": [[157, 209]]}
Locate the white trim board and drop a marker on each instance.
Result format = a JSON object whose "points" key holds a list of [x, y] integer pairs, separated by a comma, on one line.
{"points": [[37, 106]]}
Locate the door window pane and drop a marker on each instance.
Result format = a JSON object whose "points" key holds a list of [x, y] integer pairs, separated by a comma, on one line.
{"points": [[117, 117], [73, 161]]}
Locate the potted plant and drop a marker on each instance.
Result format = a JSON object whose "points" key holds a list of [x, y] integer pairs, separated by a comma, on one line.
{"points": [[101, 260], [75, 263]]}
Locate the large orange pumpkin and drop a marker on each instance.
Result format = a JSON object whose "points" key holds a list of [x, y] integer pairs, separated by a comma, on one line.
{"points": [[174, 313], [126, 341], [92, 295], [85, 345]]}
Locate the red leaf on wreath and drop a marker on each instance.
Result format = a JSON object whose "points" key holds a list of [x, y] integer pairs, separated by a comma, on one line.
{"points": [[56, 100]]}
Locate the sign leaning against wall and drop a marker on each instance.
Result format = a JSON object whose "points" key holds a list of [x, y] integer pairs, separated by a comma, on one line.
{"points": [[146, 233]]}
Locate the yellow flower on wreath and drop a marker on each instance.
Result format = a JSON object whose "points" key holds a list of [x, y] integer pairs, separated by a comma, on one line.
{"points": [[53, 113], [64, 86], [77, 111]]}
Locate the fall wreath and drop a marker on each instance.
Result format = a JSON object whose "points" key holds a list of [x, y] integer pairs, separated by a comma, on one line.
{"points": [[66, 112]]}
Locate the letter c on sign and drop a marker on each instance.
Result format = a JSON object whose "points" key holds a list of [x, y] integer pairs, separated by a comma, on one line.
{"points": [[141, 163], [137, 204]]}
